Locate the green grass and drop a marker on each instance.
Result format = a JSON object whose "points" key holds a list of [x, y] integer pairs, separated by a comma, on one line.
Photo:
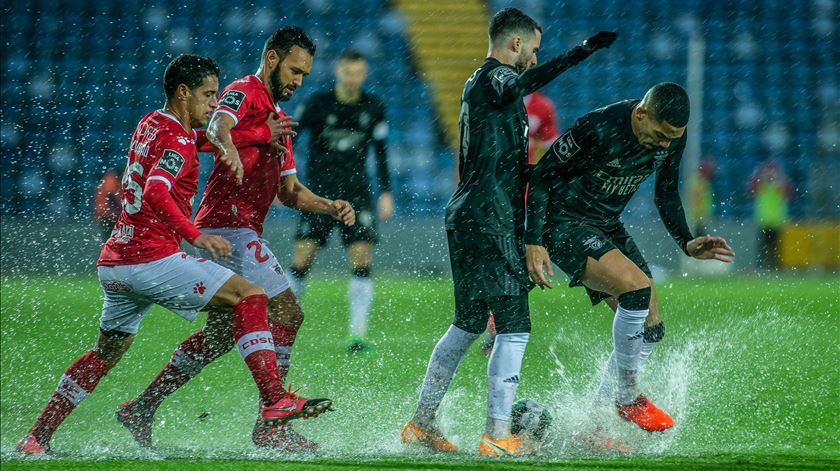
{"points": [[748, 368]]}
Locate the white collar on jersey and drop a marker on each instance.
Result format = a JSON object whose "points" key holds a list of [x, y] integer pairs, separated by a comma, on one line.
{"points": [[163, 112]]}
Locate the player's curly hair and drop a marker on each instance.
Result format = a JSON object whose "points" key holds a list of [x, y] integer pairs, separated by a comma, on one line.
{"points": [[282, 41], [189, 69], [509, 21], [668, 102]]}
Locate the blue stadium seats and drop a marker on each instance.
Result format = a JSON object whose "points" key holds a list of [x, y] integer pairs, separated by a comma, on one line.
{"points": [[104, 61]]}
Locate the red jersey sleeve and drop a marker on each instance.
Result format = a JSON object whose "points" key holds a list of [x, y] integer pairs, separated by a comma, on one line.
{"points": [[237, 100], [288, 165], [173, 152]]}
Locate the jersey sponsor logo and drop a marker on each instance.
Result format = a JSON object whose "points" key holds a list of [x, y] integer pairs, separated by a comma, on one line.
{"points": [[123, 234], [622, 186], [614, 163], [232, 99], [141, 148], [116, 286], [171, 162], [593, 243], [565, 147]]}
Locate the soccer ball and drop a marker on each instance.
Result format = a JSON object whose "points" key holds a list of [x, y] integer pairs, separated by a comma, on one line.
{"points": [[530, 418]]}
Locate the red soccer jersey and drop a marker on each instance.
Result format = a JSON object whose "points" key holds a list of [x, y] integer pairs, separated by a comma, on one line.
{"points": [[226, 203], [542, 122], [161, 149]]}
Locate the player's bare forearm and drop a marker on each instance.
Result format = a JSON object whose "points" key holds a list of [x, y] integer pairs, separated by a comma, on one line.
{"points": [[218, 133], [294, 194]]}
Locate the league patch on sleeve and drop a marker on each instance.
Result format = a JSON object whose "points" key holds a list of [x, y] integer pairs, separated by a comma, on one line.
{"points": [[171, 162], [232, 99], [500, 77], [565, 147]]}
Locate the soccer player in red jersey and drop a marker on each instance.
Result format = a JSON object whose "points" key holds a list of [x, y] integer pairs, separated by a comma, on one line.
{"points": [[142, 264], [237, 212], [542, 125]]}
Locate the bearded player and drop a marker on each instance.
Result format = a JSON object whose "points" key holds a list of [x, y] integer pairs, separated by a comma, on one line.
{"points": [[237, 212], [142, 264]]}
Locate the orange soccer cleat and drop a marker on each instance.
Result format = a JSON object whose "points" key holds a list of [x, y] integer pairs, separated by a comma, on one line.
{"points": [[645, 414], [511, 445], [430, 438]]}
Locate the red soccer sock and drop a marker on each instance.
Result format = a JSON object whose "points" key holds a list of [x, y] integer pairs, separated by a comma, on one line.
{"points": [[79, 380], [256, 345], [187, 361], [284, 338]]}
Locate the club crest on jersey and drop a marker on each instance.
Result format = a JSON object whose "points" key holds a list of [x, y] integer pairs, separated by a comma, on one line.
{"points": [[593, 243], [565, 147], [171, 162], [184, 140], [232, 99]]}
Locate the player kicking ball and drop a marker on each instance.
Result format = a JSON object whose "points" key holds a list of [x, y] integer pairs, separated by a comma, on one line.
{"points": [[577, 194], [142, 264], [248, 109]]}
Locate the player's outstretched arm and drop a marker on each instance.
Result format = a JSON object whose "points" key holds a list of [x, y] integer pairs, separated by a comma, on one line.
{"points": [[511, 86], [294, 194], [218, 133], [269, 133], [710, 247]]}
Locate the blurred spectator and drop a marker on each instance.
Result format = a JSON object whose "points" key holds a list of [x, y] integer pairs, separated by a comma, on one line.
{"points": [[107, 203], [771, 189], [542, 125], [701, 197]]}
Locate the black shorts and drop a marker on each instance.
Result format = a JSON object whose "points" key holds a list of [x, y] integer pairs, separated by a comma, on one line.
{"points": [[570, 244], [487, 266], [318, 227]]}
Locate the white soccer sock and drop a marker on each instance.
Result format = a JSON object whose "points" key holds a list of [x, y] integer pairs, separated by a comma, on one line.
{"points": [[446, 357], [644, 353], [298, 286], [360, 294], [502, 380], [606, 390], [628, 329]]}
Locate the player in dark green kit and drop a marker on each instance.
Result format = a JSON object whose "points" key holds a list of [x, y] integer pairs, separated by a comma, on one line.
{"points": [[344, 123], [485, 223], [577, 194]]}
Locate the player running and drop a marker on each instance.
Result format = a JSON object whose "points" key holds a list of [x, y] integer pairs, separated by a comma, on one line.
{"points": [[485, 222], [577, 194], [142, 264], [237, 212], [345, 122]]}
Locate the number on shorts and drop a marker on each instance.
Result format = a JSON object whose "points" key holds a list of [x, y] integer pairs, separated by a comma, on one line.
{"points": [[136, 191], [258, 251]]}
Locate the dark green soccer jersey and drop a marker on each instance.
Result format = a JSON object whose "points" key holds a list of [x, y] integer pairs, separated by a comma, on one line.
{"points": [[590, 173], [493, 152], [341, 135]]}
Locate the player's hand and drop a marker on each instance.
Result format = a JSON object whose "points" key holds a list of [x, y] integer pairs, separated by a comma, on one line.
{"points": [[230, 157], [280, 128], [385, 208], [599, 41], [710, 247], [218, 246], [344, 212], [538, 265]]}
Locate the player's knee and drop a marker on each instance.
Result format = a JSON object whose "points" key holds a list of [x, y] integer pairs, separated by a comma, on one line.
{"points": [[636, 300], [472, 319], [247, 290], [112, 345], [361, 271], [654, 333]]}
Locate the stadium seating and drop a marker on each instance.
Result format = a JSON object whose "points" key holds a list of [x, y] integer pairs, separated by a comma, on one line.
{"points": [[79, 74]]}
